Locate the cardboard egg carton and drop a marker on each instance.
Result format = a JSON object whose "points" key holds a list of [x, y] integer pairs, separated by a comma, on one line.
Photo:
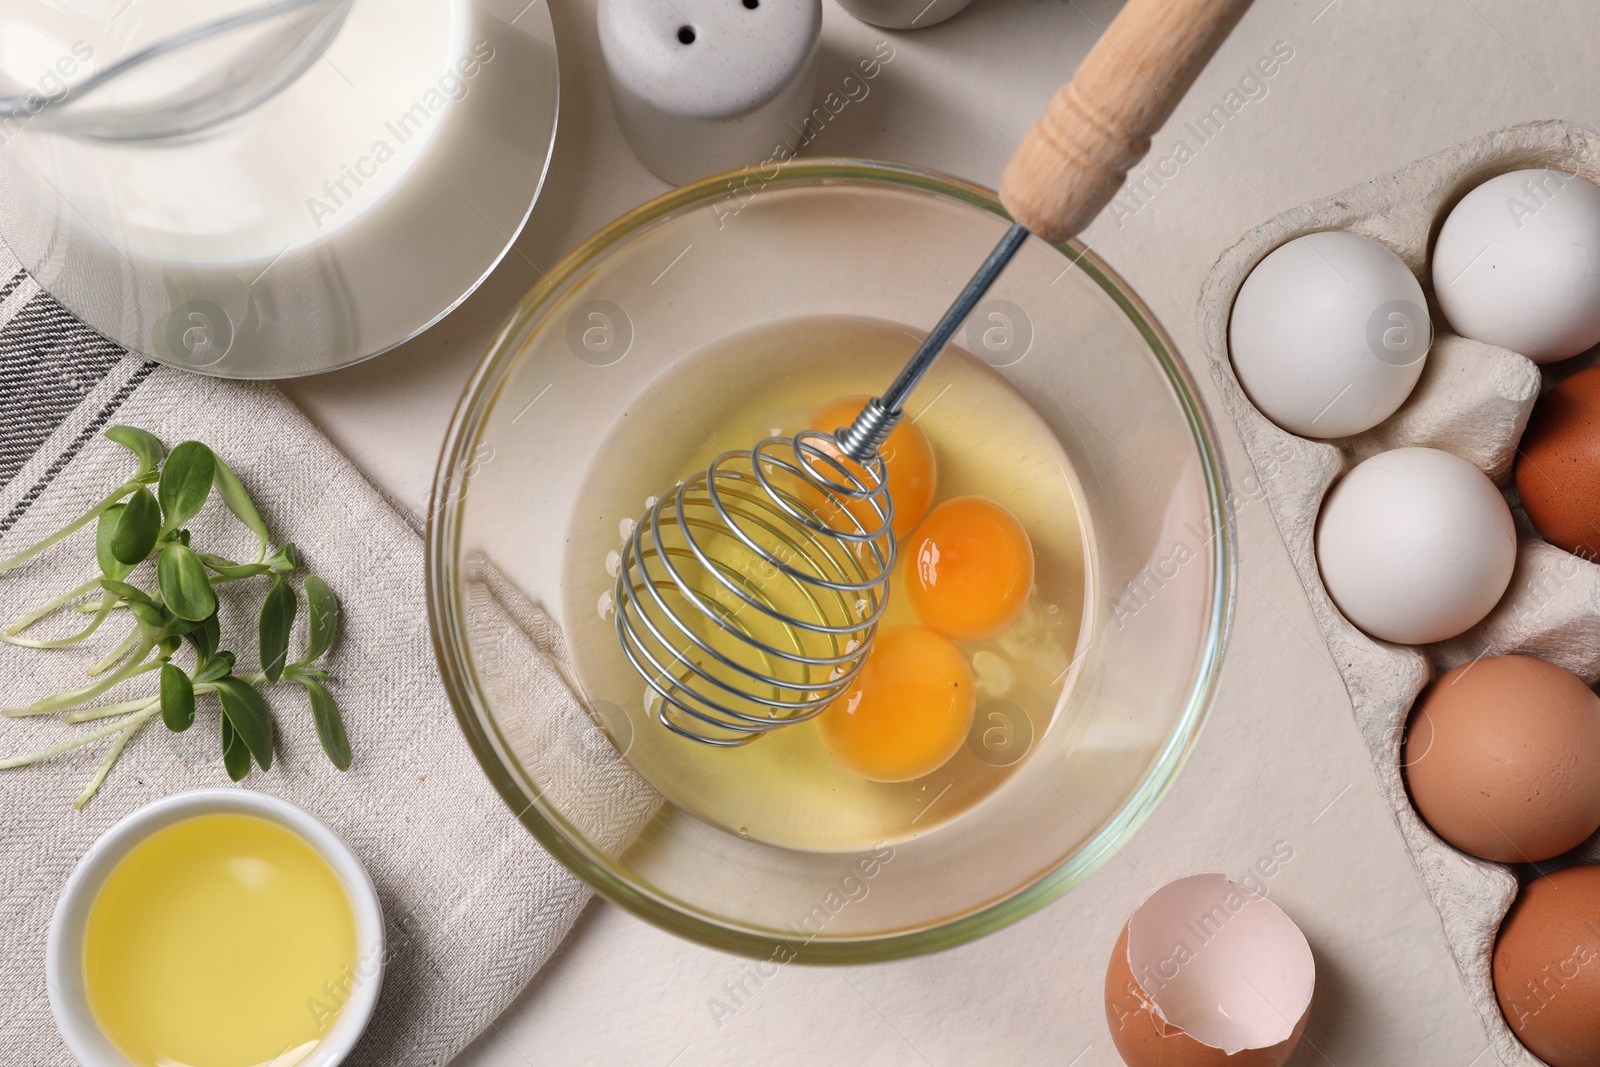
{"points": [[1473, 400]]}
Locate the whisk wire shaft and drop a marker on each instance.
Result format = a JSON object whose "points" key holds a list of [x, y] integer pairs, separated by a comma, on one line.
{"points": [[863, 437]]}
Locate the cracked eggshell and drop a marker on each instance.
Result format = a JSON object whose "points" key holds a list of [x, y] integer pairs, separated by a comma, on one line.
{"points": [[1207, 973]]}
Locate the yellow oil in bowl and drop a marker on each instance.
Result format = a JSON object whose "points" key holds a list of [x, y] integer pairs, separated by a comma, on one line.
{"points": [[222, 940]]}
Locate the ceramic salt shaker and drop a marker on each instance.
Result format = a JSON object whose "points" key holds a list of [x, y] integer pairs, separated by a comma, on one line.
{"points": [[703, 86], [904, 14]]}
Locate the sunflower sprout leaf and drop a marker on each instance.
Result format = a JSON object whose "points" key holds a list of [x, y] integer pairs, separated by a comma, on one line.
{"points": [[233, 494], [184, 585], [330, 726], [110, 565], [143, 444], [185, 483], [251, 718], [277, 619], [177, 699], [322, 608], [138, 527], [231, 570]]}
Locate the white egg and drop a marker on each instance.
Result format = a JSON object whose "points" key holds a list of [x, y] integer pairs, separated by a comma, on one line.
{"points": [[1517, 264], [1415, 545], [1329, 334]]}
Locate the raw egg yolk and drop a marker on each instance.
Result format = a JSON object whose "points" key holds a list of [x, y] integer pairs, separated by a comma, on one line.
{"points": [[907, 712], [908, 457], [969, 568]]}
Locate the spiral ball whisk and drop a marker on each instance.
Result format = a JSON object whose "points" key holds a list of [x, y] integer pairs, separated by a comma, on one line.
{"points": [[748, 597]]}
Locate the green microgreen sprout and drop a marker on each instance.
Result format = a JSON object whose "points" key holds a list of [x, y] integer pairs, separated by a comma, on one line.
{"points": [[134, 525]]}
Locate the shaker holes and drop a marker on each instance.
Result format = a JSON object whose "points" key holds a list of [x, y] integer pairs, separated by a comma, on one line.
{"points": [[686, 34]]}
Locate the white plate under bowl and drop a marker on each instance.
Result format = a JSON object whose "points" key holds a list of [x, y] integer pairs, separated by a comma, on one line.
{"points": [[64, 949], [360, 205]]}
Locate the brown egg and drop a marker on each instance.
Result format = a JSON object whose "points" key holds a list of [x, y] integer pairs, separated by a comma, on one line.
{"points": [[1558, 465], [1502, 757], [1547, 967], [1208, 974]]}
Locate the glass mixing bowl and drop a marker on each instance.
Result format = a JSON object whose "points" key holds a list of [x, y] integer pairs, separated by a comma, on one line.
{"points": [[828, 238]]}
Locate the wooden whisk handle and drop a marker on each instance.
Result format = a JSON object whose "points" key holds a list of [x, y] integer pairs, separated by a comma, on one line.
{"points": [[1098, 125]]}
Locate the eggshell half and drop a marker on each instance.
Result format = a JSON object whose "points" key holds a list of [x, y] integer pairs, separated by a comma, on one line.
{"points": [[1207, 973]]}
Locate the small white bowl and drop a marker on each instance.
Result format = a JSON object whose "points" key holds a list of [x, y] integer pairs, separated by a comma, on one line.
{"points": [[64, 951]]}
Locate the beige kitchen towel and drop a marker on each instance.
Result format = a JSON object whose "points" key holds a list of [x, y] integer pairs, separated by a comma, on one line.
{"points": [[473, 906]]}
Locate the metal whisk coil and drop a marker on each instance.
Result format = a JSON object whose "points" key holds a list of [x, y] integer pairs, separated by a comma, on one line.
{"points": [[747, 598]]}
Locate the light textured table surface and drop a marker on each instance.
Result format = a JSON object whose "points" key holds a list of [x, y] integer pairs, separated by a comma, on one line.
{"points": [[1372, 85]]}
